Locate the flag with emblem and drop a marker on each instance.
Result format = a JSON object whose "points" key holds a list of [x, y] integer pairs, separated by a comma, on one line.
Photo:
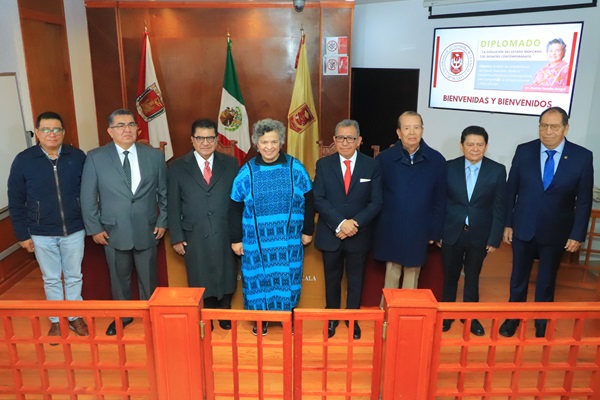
{"points": [[303, 126], [233, 121], [151, 113]]}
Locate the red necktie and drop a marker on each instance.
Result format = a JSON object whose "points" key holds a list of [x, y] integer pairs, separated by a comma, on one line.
{"points": [[347, 176], [207, 172]]}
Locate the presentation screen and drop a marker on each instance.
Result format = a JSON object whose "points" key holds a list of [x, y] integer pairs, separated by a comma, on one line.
{"points": [[517, 69]]}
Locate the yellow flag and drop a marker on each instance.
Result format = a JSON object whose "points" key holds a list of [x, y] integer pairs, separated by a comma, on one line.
{"points": [[303, 125]]}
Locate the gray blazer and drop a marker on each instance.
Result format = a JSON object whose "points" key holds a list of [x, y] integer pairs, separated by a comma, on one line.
{"points": [[107, 204]]}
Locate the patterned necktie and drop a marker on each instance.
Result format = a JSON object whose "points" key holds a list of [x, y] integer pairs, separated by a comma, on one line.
{"points": [[207, 172], [347, 176], [127, 168], [549, 168]]}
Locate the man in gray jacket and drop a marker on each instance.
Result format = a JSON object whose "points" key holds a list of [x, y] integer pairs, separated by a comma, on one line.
{"points": [[124, 206]]}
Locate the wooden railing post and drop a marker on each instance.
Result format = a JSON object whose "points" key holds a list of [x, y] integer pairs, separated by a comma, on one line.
{"points": [[175, 317], [410, 316]]}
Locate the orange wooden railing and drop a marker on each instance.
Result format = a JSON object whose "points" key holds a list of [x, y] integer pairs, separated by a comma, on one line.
{"points": [[170, 352]]}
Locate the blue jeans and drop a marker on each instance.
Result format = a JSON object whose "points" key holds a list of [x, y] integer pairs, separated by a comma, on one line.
{"points": [[60, 256]]}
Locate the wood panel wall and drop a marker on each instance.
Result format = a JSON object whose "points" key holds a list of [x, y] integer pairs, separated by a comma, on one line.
{"points": [[189, 46]]}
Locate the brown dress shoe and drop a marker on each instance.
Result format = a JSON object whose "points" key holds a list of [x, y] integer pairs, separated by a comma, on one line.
{"points": [[54, 331], [79, 327]]}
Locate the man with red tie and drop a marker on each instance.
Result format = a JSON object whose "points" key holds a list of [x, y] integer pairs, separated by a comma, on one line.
{"points": [[199, 187], [348, 196]]}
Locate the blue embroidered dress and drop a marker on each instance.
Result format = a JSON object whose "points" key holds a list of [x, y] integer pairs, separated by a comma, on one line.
{"points": [[272, 224]]}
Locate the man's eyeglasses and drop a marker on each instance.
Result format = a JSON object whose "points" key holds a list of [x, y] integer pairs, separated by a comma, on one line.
{"points": [[349, 139], [553, 127], [120, 127], [208, 139], [54, 131]]}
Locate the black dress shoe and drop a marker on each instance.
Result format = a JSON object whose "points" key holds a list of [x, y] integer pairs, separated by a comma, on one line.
{"points": [[447, 324], [540, 329], [112, 328], [477, 328], [509, 327], [357, 332], [225, 324], [331, 328]]}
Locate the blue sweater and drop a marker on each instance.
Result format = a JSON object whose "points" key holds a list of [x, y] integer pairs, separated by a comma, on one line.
{"points": [[44, 199]]}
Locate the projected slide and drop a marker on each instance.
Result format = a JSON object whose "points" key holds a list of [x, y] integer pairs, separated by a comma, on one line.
{"points": [[519, 69]]}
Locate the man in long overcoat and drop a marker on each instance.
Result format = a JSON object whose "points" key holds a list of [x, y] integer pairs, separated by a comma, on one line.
{"points": [[414, 203], [199, 187]]}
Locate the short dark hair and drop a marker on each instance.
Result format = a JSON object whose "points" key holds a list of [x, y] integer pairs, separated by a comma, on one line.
{"points": [[347, 123], [563, 114], [120, 111], [204, 123], [474, 130], [48, 115], [410, 114]]}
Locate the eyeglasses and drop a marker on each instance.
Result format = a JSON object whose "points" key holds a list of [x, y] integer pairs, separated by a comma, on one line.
{"points": [[208, 139], [553, 127], [121, 126], [349, 139], [54, 131]]}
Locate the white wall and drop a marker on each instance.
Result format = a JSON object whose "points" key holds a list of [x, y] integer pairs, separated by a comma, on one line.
{"points": [[12, 59], [400, 35], [12, 55]]}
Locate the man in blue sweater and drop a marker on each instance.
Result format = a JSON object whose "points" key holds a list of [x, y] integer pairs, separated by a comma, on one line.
{"points": [[43, 201]]}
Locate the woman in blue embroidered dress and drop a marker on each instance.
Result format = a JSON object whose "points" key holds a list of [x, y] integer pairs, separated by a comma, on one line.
{"points": [[272, 218]]}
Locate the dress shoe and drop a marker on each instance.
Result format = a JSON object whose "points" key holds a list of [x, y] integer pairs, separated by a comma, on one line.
{"points": [[79, 327], [357, 332], [447, 324], [509, 327], [540, 329], [112, 328], [477, 328], [54, 331], [225, 324], [264, 328], [331, 328]]}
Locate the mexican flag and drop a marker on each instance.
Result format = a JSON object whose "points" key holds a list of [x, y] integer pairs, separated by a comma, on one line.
{"points": [[152, 115], [233, 121], [303, 125]]}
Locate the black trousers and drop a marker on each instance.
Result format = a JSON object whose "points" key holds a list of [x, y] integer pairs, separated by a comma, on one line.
{"points": [[334, 263], [462, 254], [223, 303]]}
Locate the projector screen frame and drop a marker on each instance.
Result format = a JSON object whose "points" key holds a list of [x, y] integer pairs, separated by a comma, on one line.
{"points": [[442, 93], [532, 9]]}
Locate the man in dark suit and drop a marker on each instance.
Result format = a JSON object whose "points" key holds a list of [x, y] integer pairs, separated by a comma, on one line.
{"points": [[124, 207], [474, 217], [348, 196], [199, 188], [548, 209]]}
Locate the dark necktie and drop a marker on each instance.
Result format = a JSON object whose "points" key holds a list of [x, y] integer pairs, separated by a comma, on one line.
{"points": [[207, 172], [127, 168], [347, 176], [549, 169]]}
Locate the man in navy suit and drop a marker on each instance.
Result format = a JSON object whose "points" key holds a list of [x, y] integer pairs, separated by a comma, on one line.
{"points": [[549, 203], [474, 217], [348, 196]]}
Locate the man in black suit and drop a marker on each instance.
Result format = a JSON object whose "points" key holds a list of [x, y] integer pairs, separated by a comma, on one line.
{"points": [[199, 188], [348, 196], [549, 203], [474, 217]]}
